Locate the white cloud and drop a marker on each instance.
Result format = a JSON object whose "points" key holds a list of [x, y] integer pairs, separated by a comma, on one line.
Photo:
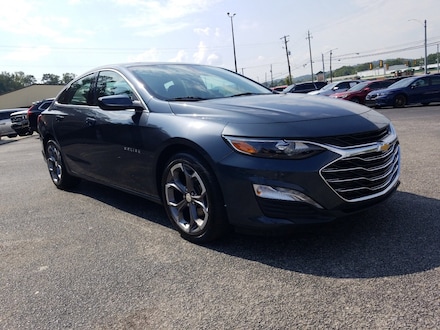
{"points": [[202, 32], [181, 56], [214, 59], [199, 56], [161, 17], [150, 55], [28, 54]]}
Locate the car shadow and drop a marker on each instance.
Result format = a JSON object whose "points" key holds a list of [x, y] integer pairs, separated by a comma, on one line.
{"points": [[125, 202], [398, 237]]}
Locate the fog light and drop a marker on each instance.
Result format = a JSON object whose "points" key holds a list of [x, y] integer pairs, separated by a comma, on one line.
{"points": [[283, 194]]}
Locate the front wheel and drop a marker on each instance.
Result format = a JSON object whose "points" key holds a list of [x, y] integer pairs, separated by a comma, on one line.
{"points": [[192, 199], [399, 101], [57, 170]]}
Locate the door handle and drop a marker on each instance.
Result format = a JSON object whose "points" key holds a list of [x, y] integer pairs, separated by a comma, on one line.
{"points": [[90, 121]]}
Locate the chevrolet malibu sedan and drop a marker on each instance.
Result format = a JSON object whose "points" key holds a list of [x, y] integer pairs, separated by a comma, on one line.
{"points": [[413, 90], [218, 150]]}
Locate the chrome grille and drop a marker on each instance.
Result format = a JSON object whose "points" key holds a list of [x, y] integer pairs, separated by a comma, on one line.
{"points": [[355, 139], [364, 175], [18, 118]]}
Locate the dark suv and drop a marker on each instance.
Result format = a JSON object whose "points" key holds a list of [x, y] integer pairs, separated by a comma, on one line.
{"points": [[305, 87], [35, 110]]}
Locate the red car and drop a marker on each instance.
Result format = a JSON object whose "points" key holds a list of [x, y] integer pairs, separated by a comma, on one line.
{"points": [[358, 92]]}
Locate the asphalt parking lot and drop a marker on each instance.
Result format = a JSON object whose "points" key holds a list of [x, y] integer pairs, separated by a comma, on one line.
{"points": [[99, 258]]}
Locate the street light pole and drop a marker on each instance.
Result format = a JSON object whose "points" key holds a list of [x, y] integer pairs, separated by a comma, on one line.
{"points": [[426, 51], [233, 39]]}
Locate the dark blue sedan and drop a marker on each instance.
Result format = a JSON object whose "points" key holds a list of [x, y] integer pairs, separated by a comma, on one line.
{"points": [[413, 90], [217, 149]]}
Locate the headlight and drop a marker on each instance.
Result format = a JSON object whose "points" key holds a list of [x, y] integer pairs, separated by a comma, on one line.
{"points": [[383, 94], [283, 149]]}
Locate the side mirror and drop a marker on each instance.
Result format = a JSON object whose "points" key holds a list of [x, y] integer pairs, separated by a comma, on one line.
{"points": [[118, 102]]}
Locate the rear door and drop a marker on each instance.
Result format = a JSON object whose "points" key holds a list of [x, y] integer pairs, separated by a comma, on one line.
{"points": [[435, 88], [419, 91], [72, 130]]}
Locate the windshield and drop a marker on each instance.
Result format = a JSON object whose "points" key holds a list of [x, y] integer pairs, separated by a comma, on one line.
{"points": [[177, 82], [402, 83], [329, 86], [359, 87]]}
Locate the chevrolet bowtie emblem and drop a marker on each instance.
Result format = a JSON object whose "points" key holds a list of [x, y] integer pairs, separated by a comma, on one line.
{"points": [[383, 147]]}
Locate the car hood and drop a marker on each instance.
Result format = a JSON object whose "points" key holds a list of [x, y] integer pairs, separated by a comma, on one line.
{"points": [[388, 90], [20, 112], [284, 114], [269, 108], [340, 94]]}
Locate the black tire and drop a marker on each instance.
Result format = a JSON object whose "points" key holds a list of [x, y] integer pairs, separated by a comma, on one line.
{"points": [[356, 100], [400, 101], [425, 103], [57, 170], [192, 199]]}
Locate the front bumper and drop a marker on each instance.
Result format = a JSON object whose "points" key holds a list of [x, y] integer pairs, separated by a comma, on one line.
{"points": [[338, 182], [385, 101]]}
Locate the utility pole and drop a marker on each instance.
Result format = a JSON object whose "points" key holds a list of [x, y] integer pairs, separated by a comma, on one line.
{"points": [[426, 51], [310, 51], [288, 61], [438, 69], [271, 76], [331, 73]]}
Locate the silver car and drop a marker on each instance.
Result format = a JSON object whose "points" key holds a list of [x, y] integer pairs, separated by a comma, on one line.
{"points": [[5, 123], [335, 87]]}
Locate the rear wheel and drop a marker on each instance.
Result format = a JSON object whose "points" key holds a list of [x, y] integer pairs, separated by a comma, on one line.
{"points": [[57, 170], [399, 101], [192, 199]]}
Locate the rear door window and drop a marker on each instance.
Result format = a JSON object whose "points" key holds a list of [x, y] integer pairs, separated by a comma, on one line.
{"points": [[79, 92]]}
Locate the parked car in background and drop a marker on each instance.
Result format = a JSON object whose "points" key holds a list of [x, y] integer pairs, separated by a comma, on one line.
{"points": [[6, 124], [418, 89], [20, 123], [304, 87], [218, 149], [358, 92], [279, 88], [335, 87], [35, 110]]}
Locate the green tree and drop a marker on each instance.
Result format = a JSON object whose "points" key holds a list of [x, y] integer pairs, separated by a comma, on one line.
{"points": [[51, 79], [12, 81], [67, 77]]}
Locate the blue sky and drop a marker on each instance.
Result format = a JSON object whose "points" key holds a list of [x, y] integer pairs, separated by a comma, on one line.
{"points": [[59, 36]]}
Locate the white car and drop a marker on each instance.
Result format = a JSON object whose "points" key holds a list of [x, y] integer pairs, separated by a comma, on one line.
{"points": [[335, 87]]}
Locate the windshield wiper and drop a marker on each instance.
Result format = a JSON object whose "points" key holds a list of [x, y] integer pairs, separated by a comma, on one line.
{"points": [[187, 98], [243, 94]]}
